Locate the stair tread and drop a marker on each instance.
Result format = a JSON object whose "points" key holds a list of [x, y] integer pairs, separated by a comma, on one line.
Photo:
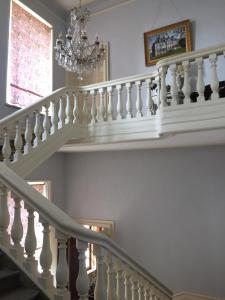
{"points": [[8, 273], [19, 294]]}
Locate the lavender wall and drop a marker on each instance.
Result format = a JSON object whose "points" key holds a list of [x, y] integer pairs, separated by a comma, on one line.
{"points": [[124, 27], [58, 24], [168, 207]]}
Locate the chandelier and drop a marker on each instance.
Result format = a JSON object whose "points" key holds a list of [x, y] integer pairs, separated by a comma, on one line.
{"points": [[75, 53]]}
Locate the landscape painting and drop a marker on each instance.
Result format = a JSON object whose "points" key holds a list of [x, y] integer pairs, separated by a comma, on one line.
{"points": [[170, 40]]}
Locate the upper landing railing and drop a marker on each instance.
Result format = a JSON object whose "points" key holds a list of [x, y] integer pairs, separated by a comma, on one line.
{"points": [[180, 81]]}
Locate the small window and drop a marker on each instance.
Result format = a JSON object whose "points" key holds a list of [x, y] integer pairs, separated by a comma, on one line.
{"points": [[30, 57]]}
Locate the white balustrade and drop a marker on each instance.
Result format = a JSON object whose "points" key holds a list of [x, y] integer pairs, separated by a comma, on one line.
{"points": [[141, 289], [30, 243], [55, 118], [76, 116], [37, 129], [4, 216], [6, 149], [46, 123], [62, 271], [102, 109], [149, 97], [174, 89], [139, 102], [214, 77], [163, 91], [119, 102], [28, 135], [147, 291], [100, 292], [18, 142], [82, 279], [93, 107], [111, 292], [110, 103], [17, 229], [119, 281], [69, 108], [187, 87], [135, 294], [46, 279], [200, 80], [129, 101], [62, 113], [128, 285]]}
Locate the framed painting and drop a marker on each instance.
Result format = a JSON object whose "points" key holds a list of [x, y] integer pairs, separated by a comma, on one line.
{"points": [[170, 40]]}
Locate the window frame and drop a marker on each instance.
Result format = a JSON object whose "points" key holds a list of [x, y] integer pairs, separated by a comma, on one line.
{"points": [[8, 76]]}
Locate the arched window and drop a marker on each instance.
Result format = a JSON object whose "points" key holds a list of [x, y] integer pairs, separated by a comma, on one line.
{"points": [[30, 57]]}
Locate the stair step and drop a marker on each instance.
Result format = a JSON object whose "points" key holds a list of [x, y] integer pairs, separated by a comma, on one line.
{"points": [[20, 294], [9, 278]]}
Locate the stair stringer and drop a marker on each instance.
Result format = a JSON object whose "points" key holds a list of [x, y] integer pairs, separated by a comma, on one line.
{"points": [[28, 163]]}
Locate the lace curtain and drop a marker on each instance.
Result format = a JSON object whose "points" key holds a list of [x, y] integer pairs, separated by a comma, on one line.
{"points": [[30, 58]]}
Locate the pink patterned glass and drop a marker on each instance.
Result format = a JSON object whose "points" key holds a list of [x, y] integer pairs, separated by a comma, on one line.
{"points": [[30, 58]]}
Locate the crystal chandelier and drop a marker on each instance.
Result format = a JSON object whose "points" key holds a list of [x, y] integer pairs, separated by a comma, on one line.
{"points": [[75, 53]]}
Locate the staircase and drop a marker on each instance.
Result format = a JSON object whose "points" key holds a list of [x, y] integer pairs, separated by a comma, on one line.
{"points": [[14, 284], [146, 107]]}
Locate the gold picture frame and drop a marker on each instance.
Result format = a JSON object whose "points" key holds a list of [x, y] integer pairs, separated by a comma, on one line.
{"points": [[166, 41]]}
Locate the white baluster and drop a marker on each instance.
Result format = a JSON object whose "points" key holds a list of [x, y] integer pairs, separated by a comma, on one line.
{"points": [[128, 285], [119, 103], [55, 118], [152, 293], [6, 149], [37, 129], [85, 108], [200, 80], [69, 108], [187, 87], [214, 77], [163, 91], [100, 287], [119, 281], [28, 136], [76, 115], [62, 113], [46, 123], [149, 97], [30, 243], [139, 102], [129, 101], [93, 107], [134, 281], [111, 295], [45, 278], [82, 279], [147, 292], [102, 105], [62, 271], [18, 142], [174, 89], [4, 216], [17, 229], [141, 289], [110, 104]]}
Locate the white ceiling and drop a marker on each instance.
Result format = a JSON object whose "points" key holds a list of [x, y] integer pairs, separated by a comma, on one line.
{"points": [[69, 4]]}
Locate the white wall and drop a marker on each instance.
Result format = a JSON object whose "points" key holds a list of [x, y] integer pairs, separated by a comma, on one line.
{"points": [[168, 207], [124, 27], [58, 25]]}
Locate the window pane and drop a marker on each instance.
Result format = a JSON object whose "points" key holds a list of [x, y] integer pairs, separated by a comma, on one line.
{"points": [[30, 58]]}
